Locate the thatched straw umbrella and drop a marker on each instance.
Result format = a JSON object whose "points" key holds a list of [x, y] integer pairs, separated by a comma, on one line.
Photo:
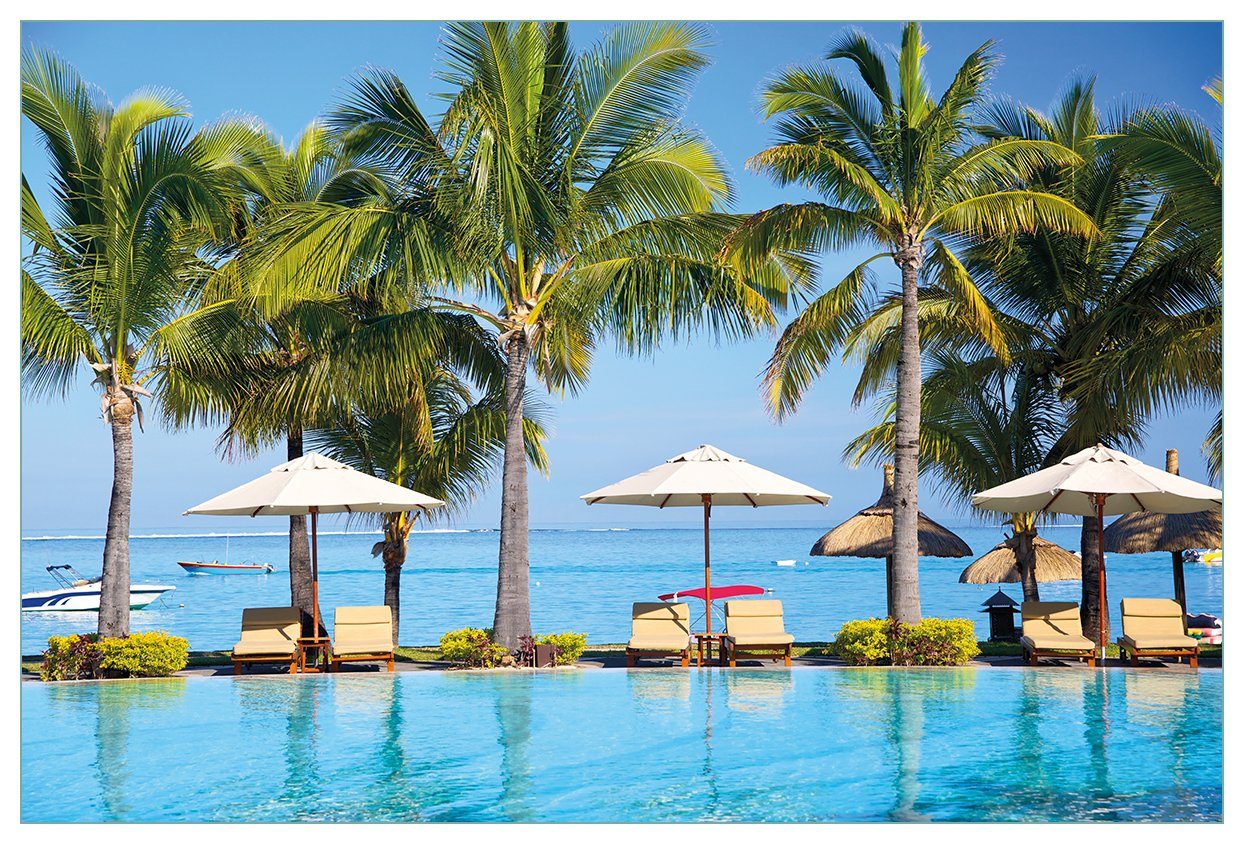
{"points": [[870, 533], [1001, 565], [1141, 533]]}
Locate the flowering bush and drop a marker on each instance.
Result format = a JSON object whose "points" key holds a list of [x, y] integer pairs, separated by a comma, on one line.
{"points": [[87, 656], [71, 657], [570, 646], [472, 647], [932, 641]]}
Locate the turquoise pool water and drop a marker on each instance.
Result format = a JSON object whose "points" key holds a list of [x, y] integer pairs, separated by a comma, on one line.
{"points": [[666, 745]]}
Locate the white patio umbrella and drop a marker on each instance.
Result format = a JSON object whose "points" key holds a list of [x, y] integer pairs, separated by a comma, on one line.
{"points": [[1100, 482], [311, 485], [701, 478]]}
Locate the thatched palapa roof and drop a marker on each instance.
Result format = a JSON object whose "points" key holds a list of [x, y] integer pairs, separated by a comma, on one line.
{"points": [[870, 532], [1140, 533], [1001, 566]]}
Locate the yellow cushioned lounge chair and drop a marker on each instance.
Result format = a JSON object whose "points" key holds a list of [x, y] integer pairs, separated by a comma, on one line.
{"points": [[269, 634], [1052, 628], [362, 634], [659, 630], [755, 629], [1155, 627]]}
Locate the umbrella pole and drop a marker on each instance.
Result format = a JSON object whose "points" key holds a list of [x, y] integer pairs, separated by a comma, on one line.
{"points": [[1177, 564], [1103, 630], [708, 589], [315, 575]]}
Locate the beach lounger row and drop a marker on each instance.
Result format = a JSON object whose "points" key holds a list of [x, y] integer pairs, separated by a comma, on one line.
{"points": [[1151, 627], [753, 629], [273, 635]]}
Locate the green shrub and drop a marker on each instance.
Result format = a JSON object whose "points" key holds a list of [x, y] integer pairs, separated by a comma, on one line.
{"points": [[472, 647], [72, 657], [932, 641], [863, 642], [153, 654], [87, 656], [570, 646]]}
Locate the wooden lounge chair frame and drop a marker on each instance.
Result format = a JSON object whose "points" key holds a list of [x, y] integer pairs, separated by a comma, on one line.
{"points": [[634, 655], [240, 663], [1033, 652], [1134, 654], [752, 610], [1031, 655], [1192, 652], [678, 613], [335, 659], [243, 662], [774, 652]]}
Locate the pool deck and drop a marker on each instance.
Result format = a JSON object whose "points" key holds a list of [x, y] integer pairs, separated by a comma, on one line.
{"points": [[618, 661]]}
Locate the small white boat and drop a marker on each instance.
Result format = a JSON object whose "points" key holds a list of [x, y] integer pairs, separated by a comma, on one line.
{"points": [[784, 562], [81, 594]]}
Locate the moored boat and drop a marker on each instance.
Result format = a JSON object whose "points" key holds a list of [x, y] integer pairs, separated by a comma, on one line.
{"points": [[224, 568], [81, 594]]}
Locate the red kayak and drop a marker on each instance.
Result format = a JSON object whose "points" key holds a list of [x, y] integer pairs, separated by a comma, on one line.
{"points": [[720, 593]]}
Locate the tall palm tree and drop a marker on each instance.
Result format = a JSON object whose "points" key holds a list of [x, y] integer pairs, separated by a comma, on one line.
{"points": [[140, 217], [906, 175], [270, 347], [444, 442], [560, 188], [1073, 311], [982, 423]]}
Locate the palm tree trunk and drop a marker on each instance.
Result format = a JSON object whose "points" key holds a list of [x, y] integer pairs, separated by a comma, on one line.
{"points": [[512, 620], [1026, 556], [1090, 568], [114, 587], [394, 558], [906, 572], [300, 593]]}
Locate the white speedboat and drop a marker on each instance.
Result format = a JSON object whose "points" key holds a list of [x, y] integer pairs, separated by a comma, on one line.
{"points": [[81, 594]]}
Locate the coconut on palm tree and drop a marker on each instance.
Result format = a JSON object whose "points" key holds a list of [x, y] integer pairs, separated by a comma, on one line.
{"points": [[908, 178], [560, 200], [140, 216]]}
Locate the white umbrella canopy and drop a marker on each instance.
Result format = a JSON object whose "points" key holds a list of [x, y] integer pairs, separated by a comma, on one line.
{"points": [[684, 480], [310, 485], [701, 478], [1100, 482], [314, 483], [1073, 485]]}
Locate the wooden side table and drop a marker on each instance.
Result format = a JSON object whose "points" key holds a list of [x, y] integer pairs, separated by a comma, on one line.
{"points": [[318, 648], [704, 643]]}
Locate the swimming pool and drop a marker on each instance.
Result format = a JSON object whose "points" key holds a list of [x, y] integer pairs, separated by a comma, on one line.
{"points": [[808, 744]]}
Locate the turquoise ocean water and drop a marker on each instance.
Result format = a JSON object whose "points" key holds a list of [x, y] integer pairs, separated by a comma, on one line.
{"points": [[807, 744], [581, 579]]}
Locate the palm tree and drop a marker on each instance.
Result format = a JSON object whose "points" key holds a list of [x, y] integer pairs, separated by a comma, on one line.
{"points": [[270, 348], [443, 442], [1073, 311], [140, 217], [982, 423], [907, 176], [559, 187]]}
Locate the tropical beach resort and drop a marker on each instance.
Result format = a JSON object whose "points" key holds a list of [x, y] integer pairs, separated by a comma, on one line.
{"points": [[440, 489]]}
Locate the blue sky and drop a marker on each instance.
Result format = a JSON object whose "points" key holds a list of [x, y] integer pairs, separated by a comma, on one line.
{"points": [[635, 412]]}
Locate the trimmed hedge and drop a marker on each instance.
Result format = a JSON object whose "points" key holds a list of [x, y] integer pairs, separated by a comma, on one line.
{"points": [[87, 656], [933, 641]]}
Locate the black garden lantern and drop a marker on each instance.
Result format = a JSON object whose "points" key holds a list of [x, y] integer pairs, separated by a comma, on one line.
{"points": [[1001, 608]]}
